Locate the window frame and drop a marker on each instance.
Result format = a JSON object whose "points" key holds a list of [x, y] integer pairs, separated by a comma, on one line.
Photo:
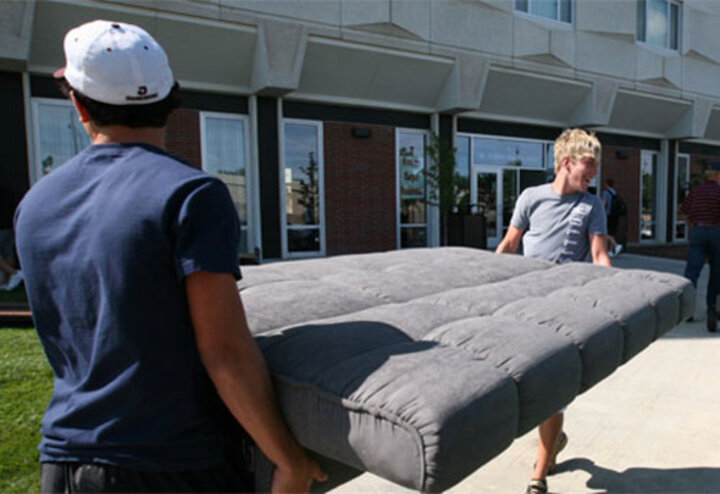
{"points": [[249, 227], [677, 221], [643, 14], [36, 171], [556, 20], [321, 226]]}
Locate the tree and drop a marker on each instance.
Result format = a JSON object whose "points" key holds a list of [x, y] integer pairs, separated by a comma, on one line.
{"points": [[447, 189], [308, 191]]}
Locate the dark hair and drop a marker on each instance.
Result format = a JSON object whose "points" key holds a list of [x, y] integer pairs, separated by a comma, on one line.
{"points": [[610, 182], [103, 114]]}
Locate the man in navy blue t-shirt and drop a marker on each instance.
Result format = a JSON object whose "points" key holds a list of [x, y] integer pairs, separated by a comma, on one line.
{"points": [[130, 261]]}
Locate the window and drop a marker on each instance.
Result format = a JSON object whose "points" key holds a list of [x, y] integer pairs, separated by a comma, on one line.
{"points": [[462, 160], [658, 23], [224, 154], [502, 168], [682, 187], [508, 152], [412, 194], [556, 10], [58, 134], [648, 195], [302, 190]]}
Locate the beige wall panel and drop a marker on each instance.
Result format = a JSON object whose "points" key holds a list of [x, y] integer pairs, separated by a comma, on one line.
{"points": [[605, 55], [530, 38], [353, 13], [412, 15], [606, 16], [325, 11], [702, 35], [701, 77], [473, 26]]}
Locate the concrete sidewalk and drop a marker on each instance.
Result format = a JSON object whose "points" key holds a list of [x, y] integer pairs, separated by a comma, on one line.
{"points": [[651, 427]]}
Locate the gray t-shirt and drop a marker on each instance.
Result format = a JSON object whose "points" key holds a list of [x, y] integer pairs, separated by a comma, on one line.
{"points": [[557, 227]]}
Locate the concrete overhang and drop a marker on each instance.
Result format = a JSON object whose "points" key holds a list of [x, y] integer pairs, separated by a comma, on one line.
{"points": [[652, 115], [16, 20], [510, 94], [204, 54], [346, 72], [712, 131]]}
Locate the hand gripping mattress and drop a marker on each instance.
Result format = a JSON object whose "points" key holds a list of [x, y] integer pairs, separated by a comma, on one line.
{"points": [[421, 365]]}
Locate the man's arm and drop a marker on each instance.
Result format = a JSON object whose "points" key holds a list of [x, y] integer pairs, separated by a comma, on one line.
{"points": [[237, 368], [598, 248], [511, 242]]}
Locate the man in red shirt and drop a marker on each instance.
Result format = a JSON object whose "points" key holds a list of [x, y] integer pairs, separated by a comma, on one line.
{"points": [[702, 207]]}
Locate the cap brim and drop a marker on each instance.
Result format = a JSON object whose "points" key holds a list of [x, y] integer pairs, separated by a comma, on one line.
{"points": [[59, 73]]}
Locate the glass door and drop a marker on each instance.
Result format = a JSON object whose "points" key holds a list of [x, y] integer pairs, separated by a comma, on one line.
{"points": [[302, 189], [485, 184], [648, 195], [412, 205]]}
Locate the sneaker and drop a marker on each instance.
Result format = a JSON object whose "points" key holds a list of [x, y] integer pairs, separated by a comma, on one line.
{"points": [[537, 486], [14, 281], [711, 320], [618, 249]]}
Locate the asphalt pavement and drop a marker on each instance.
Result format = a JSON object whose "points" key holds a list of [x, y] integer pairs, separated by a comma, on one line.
{"points": [[653, 426]]}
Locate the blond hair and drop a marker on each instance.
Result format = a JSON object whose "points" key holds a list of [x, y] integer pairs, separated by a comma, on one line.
{"points": [[576, 144]]}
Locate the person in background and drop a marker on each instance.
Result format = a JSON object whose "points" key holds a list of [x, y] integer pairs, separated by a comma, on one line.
{"points": [[10, 276], [702, 208], [609, 198], [131, 277], [560, 222]]}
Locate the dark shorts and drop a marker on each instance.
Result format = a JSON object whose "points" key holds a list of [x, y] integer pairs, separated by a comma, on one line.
{"points": [[236, 474], [612, 224]]}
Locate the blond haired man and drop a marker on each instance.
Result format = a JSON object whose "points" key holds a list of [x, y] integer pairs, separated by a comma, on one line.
{"points": [[560, 222]]}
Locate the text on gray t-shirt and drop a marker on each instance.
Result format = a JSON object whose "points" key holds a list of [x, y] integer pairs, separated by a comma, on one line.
{"points": [[558, 227]]}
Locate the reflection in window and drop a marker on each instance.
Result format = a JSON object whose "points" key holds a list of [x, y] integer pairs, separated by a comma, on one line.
{"points": [[302, 175], [411, 169], [682, 187], [648, 195], [487, 190], [507, 152], [658, 23], [557, 10], [61, 135], [462, 160], [224, 155]]}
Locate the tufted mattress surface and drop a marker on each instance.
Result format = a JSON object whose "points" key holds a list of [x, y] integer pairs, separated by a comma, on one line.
{"points": [[421, 365]]}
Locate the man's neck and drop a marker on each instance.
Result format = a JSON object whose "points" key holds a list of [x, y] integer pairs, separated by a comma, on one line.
{"points": [[120, 134], [561, 186]]}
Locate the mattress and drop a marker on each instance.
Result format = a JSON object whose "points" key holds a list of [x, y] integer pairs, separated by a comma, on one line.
{"points": [[421, 365]]}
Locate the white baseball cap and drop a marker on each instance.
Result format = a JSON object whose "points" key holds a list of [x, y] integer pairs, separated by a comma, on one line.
{"points": [[116, 63]]}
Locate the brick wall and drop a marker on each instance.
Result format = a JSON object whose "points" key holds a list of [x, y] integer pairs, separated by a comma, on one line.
{"points": [[183, 136], [626, 173], [360, 208]]}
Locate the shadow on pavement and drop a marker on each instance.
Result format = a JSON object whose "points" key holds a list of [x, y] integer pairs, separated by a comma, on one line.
{"points": [[643, 480]]}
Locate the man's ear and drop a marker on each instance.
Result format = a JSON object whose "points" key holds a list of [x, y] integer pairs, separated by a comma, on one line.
{"points": [[83, 114], [565, 162]]}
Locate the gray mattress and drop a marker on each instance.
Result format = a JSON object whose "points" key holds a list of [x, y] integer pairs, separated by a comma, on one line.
{"points": [[421, 365]]}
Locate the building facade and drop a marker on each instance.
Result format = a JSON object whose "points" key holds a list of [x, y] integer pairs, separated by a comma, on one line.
{"points": [[316, 113]]}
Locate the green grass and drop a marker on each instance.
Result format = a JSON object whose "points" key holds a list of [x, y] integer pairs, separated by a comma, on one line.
{"points": [[25, 389]]}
